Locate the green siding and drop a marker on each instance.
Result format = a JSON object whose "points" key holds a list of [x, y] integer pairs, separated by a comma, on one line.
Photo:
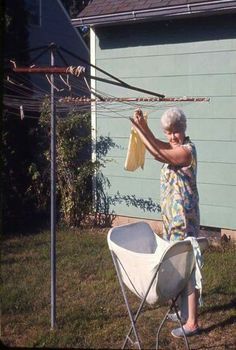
{"points": [[215, 173], [205, 63], [179, 58]]}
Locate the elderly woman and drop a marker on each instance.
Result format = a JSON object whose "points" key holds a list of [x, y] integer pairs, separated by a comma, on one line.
{"points": [[179, 195]]}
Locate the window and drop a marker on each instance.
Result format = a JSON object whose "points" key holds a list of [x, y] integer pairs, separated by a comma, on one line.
{"points": [[33, 7]]}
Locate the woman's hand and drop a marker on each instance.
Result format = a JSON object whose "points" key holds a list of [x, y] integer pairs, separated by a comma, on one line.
{"points": [[139, 119]]}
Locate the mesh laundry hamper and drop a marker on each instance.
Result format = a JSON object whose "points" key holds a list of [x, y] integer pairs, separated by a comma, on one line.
{"points": [[152, 268]]}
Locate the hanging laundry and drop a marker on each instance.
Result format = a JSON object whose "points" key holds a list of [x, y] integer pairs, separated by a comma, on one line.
{"points": [[21, 112], [136, 151]]}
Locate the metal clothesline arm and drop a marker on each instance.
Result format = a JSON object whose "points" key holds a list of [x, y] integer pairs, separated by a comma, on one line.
{"points": [[65, 70], [84, 100], [91, 65]]}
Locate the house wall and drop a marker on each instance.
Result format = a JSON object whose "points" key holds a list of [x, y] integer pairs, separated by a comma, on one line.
{"points": [[187, 57]]}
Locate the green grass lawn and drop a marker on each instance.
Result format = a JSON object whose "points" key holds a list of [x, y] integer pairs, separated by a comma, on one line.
{"points": [[90, 307]]}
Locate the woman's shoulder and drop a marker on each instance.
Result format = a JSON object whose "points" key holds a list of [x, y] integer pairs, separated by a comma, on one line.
{"points": [[189, 144]]}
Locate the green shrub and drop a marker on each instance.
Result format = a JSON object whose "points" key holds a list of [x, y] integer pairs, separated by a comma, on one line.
{"points": [[74, 166]]}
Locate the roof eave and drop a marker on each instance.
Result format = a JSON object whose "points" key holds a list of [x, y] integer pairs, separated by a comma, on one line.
{"points": [[187, 10]]}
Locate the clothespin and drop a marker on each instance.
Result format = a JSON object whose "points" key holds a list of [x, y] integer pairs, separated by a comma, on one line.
{"points": [[48, 79], [21, 112], [14, 63], [66, 82]]}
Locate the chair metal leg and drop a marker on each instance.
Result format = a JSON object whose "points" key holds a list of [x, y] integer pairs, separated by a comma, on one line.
{"points": [[132, 328], [172, 306], [135, 319], [132, 318], [143, 300], [181, 324], [160, 327]]}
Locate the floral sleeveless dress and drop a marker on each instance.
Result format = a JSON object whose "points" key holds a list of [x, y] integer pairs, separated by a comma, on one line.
{"points": [[179, 198]]}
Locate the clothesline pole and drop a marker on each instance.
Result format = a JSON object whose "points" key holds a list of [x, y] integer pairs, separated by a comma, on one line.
{"points": [[53, 197], [51, 70]]}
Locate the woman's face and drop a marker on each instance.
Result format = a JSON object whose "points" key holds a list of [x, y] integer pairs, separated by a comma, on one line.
{"points": [[175, 137]]}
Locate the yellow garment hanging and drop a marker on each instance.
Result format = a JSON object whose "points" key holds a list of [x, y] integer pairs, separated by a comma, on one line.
{"points": [[136, 151]]}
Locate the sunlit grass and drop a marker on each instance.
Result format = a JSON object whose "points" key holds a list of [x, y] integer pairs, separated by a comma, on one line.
{"points": [[90, 307]]}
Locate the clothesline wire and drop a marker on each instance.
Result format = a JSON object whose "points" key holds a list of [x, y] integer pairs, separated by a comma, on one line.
{"points": [[30, 101], [33, 84], [103, 111], [18, 88]]}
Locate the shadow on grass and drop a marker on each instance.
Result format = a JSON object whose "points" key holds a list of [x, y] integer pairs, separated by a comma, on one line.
{"points": [[220, 307], [223, 345], [205, 331], [27, 225], [229, 321]]}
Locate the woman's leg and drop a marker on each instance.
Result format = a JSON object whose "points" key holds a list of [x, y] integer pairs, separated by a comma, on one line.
{"points": [[191, 326], [192, 321]]}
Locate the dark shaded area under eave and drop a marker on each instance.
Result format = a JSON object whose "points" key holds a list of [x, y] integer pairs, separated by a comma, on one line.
{"points": [[171, 31]]}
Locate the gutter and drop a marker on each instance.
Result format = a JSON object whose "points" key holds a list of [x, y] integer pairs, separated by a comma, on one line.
{"points": [[193, 9]]}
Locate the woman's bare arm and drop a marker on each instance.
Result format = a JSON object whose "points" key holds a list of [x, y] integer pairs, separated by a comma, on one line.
{"points": [[161, 151], [149, 141]]}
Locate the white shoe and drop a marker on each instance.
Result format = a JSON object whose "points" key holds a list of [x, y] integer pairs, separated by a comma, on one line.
{"points": [[178, 332]]}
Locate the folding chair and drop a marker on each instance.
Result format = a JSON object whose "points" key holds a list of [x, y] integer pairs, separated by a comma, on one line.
{"points": [[155, 270]]}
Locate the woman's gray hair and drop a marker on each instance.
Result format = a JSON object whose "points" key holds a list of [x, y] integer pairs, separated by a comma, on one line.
{"points": [[174, 118]]}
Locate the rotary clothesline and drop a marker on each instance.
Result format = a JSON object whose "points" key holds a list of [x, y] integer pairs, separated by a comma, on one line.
{"points": [[80, 70], [102, 100]]}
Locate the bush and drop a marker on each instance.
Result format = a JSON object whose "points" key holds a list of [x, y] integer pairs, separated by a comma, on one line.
{"points": [[74, 167]]}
